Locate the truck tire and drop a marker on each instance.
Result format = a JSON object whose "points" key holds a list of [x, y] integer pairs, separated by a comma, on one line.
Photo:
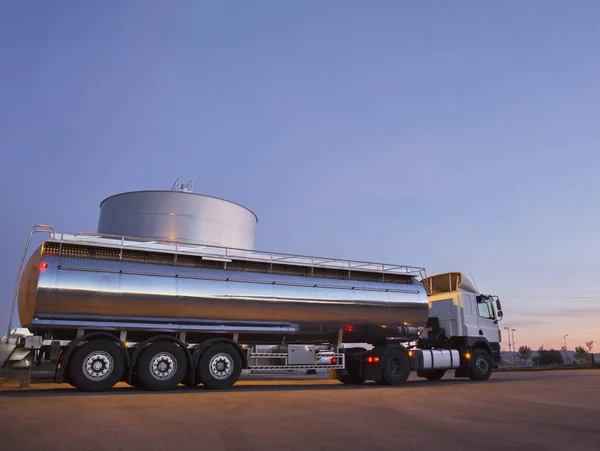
{"points": [[135, 382], [219, 367], [481, 365], [395, 367], [353, 374], [96, 365], [189, 380], [66, 376], [161, 366], [434, 375]]}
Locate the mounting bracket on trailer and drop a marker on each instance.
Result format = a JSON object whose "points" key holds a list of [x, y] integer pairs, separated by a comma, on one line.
{"points": [[340, 339]]}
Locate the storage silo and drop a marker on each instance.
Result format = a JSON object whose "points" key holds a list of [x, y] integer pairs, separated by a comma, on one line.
{"points": [[180, 216]]}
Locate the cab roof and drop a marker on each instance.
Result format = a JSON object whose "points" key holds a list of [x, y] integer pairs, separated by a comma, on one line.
{"points": [[447, 282]]}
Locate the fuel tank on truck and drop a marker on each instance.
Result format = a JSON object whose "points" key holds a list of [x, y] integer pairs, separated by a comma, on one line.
{"points": [[72, 278]]}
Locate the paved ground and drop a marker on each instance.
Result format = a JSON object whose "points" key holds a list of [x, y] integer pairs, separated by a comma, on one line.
{"points": [[554, 410]]}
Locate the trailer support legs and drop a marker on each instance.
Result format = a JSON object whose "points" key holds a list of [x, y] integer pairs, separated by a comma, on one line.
{"points": [[24, 377]]}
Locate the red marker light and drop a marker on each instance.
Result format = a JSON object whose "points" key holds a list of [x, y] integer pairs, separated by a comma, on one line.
{"points": [[43, 266], [333, 360], [372, 359]]}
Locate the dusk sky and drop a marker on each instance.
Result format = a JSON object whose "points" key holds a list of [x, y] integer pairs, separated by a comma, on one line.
{"points": [[450, 135]]}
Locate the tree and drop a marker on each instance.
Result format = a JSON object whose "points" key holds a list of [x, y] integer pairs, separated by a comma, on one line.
{"points": [[536, 358], [581, 353], [524, 353], [551, 357], [589, 345]]}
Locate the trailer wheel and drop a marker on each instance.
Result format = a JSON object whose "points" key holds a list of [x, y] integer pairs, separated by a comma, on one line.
{"points": [[189, 380], [96, 365], [66, 376], [395, 367], [135, 382], [161, 366], [481, 365], [434, 375], [353, 375], [219, 367]]}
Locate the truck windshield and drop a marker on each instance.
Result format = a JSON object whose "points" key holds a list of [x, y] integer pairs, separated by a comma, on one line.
{"points": [[485, 308]]}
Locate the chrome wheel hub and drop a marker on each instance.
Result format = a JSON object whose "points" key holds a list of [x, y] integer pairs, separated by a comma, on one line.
{"points": [[98, 365], [221, 366], [482, 365], [163, 366]]}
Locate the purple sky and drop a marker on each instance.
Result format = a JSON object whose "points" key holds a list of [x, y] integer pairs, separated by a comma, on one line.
{"points": [[455, 136]]}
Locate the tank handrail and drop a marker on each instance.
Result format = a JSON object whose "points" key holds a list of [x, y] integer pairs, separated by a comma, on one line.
{"points": [[180, 247], [38, 228]]}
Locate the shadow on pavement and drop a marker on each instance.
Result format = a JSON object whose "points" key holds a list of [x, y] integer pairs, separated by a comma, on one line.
{"points": [[249, 385]]}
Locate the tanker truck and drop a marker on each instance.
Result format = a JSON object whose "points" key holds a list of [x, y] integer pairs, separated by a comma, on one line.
{"points": [[156, 314]]}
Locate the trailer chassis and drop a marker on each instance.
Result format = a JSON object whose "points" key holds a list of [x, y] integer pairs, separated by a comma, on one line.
{"points": [[103, 353]]}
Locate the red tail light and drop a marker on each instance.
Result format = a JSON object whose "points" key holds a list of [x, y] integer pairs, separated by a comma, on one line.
{"points": [[372, 359], [43, 266], [333, 360]]}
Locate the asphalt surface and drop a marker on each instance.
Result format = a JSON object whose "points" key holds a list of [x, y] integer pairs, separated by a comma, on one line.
{"points": [[553, 410]]}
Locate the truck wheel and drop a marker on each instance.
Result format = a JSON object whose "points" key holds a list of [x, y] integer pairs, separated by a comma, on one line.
{"points": [[161, 366], [135, 382], [395, 367], [481, 365], [96, 365], [219, 367], [353, 376], [435, 375], [189, 380], [66, 376]]}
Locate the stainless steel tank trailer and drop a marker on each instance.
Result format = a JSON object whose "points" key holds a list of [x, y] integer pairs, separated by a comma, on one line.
{"points": [[170, 291]]}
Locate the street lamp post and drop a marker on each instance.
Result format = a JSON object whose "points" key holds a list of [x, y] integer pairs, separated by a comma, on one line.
{"points": [[566, 353], [514, 346], [509, 345]]}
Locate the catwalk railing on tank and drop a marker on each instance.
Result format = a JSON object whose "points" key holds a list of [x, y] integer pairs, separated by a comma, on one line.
{"points": [[226, 253]]}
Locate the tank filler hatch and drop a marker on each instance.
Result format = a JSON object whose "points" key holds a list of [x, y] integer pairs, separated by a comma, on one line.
{"points": [[183, 187]]}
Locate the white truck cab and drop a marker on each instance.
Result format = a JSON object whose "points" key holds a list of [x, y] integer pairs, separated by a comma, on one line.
{"points": [[460, 317]]}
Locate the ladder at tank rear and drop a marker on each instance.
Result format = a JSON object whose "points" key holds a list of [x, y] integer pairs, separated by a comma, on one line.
{"points": [[39, 228]]}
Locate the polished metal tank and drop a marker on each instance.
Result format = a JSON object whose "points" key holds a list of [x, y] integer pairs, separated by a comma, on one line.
{"points": [[178, 216], [80, 279]]}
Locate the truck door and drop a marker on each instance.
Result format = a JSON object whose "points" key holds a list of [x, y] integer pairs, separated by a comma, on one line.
{"points": [[488, 325], [471, 318]]}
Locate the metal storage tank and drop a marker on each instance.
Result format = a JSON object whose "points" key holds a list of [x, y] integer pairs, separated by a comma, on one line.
{"points": [[180, 216]]}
